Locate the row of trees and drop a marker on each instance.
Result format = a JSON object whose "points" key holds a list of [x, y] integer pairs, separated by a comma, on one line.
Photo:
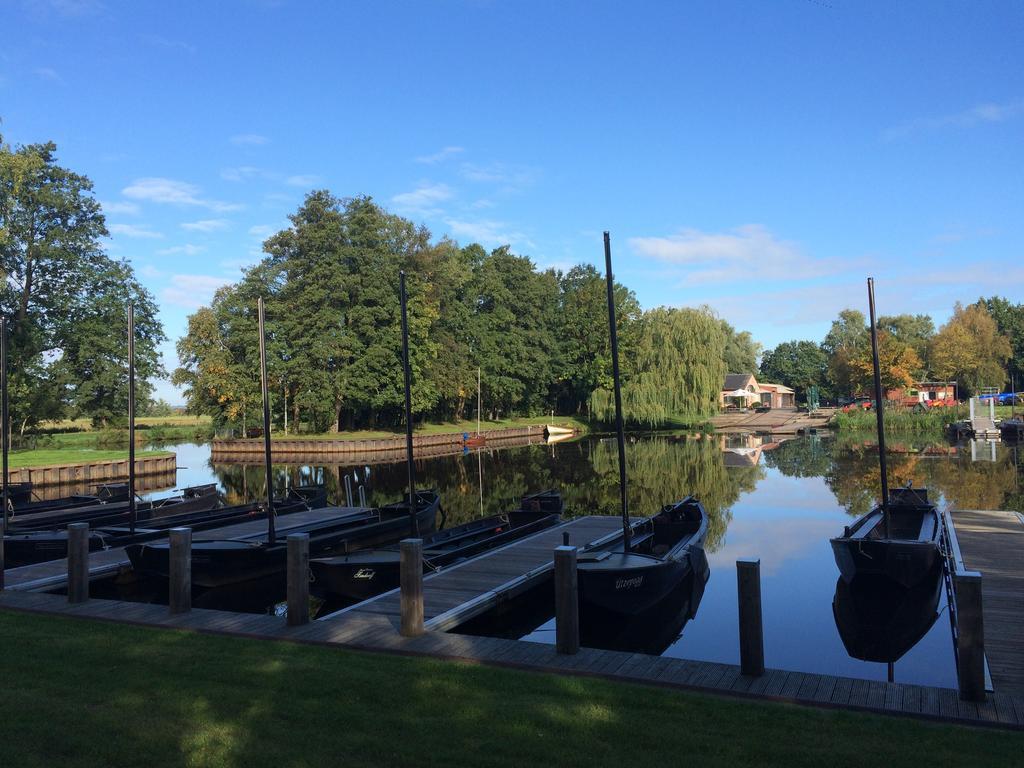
{"points": [[65, 298], [982, 345], [539, 339]]}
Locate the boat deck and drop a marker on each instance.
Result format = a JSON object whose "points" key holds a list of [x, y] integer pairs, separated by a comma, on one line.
{"points": [[53, 574], [993, 543], [457, 594]]}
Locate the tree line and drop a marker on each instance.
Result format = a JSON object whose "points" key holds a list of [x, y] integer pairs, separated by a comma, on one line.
{"points": [[537, 339], [982, 345]]}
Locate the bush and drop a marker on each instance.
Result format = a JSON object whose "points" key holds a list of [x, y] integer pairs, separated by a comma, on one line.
{"points": [[112, 438]]}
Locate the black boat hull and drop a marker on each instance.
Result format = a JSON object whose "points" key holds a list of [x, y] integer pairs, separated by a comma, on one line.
{"points": [[217, 563]]}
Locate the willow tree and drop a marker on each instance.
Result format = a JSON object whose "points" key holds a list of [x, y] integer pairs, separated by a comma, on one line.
{"points": [[677, 372]]}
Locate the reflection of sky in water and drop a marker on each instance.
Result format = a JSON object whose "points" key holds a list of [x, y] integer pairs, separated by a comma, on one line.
{"points": [[785, 521]]}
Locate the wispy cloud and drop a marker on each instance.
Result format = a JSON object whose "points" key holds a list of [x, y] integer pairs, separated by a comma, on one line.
{"points": [[130, 230], [492, 233], [977, 115], [261, 230], [503, 174], [425, 200], [249, 140], [192, 291], [188, 249], [242, 173], [171, 45], [303, 180], [121, 208], [206, 225], [173, 192], [440, 156], [710, 257], [48, 74]]}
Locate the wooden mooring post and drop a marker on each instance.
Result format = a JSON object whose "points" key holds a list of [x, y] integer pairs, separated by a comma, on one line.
{"points": [[567, 606], [970, 641], [78, 562], [179, 570], [298, 579], [411, 580], [748, 587]]}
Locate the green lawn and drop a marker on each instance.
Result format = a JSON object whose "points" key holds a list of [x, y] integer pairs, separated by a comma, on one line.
{"points": [[179, 420], [442, 428], [49, 456], [80, 693]]}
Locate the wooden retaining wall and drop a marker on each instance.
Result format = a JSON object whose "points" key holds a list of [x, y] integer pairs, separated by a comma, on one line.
{"points": [[89, 473], [319, 447]]}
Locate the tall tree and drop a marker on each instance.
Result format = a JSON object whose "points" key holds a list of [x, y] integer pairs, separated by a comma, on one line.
{"points": [[797, 364], [1010, 323], [898, 365], [915, 330], [970, 349], [845, 341], [741, 351]]}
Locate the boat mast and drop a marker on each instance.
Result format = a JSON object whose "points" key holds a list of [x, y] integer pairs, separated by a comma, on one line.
{"points": [[271, 532], [413, 524], [618, 393], [879, 407], [5, 418], [479, 402], [132, 506]]}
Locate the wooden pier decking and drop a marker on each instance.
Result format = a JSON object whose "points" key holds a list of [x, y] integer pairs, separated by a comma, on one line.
{"points": [[456, 594], [993, 543], [53, 573]]}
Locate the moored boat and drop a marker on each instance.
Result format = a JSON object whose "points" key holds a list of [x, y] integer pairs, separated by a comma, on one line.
{"points": [[21, 502], [216, 562], [365, 573]]}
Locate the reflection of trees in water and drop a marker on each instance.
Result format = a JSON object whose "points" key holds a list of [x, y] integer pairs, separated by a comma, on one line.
{"points": [[801, 457], [854, 476], [661, 470]]}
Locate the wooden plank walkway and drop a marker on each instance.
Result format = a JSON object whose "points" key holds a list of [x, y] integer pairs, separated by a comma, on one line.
{"points": [[457, 594], [993, 543], [377, 632], [53, 574]]}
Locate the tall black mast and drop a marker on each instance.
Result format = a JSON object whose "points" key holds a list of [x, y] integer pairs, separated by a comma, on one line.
{"points": [[132, 507], [413, 525], [619, 432], [271, 533], [879, 406]]}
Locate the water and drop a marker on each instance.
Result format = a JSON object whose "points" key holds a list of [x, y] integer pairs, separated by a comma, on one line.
{"points": [[778, 502]]}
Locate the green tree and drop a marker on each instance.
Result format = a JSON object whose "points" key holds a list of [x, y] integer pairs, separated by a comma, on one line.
{"points": [[1010, 323], [741, 351], [970, 349], [845, 341], [64, 296], [796, 364], [898, 365], [915, 330]]}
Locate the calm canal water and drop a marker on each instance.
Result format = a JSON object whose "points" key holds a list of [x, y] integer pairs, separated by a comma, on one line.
{"points": [[778, 501]]}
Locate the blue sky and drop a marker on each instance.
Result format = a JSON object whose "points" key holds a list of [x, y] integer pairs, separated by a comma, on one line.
{"points": [[759, 157]]}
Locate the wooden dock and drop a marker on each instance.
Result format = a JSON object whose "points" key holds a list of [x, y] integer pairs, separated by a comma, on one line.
{"points": [[993, 543], [53, 574], [457, 594]]}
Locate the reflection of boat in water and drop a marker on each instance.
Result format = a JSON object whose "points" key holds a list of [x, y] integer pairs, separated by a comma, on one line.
{"points": [[363, 574], [902, 545], [638, 598], [879, 621]]}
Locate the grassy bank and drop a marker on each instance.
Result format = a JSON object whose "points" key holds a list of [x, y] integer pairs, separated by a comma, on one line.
{"points": [[92, 694], [441, 428], [45, 457]]}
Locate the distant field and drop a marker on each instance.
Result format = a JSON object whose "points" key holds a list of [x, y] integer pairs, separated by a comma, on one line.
{"points": [[50, 457], [183, 420]]}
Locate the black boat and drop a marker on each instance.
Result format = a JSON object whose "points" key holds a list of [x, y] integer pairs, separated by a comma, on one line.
{"points": [[628, 597], [649, 577], [900, 538], [906, 550], [226, 561], [27, 547], [369, 572], [880, 622], [192, 499], [21, 502]]}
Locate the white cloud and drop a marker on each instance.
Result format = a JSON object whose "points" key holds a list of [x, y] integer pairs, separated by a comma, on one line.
{"points": [[261, 230], [493, 233], [711, 257], [128, 209], [130, 230], [148, 270], [46, 73], [173, 192], [206, 225], [192, 291], [977, 115], [424, 200], [249, 140], [303, 180], [440, 156], [241, 173], [508, 176], [188, 249]]}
